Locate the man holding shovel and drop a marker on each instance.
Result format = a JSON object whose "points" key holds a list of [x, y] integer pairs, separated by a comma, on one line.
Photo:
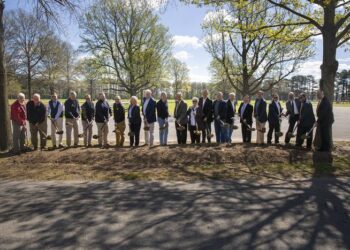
{"points": [[55, 113], [87, 118], [305, 123], [36, 115], [246, 118], [72, 114], [103, 112]]}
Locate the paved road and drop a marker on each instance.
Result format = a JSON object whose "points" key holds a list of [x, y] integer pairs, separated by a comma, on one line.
{"points": [[306, 214], [340, 129]]}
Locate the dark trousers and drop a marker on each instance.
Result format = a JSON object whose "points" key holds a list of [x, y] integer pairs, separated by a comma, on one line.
{"points": [[135, 134], [273, 127], [181, 134], [303, 131], [195, 138], [325, 133], [292, 121], [206, 132], [246, 133]]}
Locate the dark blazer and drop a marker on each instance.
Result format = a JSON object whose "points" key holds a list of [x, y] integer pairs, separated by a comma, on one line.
{"points": [[260, 111], [102, 111], [181, 113], [207, 110], [231, 111], [274, 115], [248, 113], [118, 112], [36, 114], [162, 109], [290, 108], [325, 116], [71, 109], [150, 114], [87, 111], [199, 118], [222, 110], [307, 116], [135, 117]]}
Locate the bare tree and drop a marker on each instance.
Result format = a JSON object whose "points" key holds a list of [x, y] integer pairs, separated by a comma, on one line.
{"points": [[126, 37], [29, 41]]}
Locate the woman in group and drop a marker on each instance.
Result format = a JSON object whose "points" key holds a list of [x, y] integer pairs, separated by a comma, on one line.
{"points": [[134, 117], [195, 121], [163, 114]]}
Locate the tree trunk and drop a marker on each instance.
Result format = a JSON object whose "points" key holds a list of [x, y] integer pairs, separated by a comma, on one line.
{"points": [[329, 64], [29, 82], [5, 130]]}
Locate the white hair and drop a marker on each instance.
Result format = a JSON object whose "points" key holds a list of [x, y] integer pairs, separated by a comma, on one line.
{"points": [[232, 94], [73, 93], [21, 96], [117, 98], [37, 96], [148, 91], [194, 99]]}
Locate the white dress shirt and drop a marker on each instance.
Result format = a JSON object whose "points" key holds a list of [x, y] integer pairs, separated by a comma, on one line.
{"points": [[193, 116], [145, 106]]}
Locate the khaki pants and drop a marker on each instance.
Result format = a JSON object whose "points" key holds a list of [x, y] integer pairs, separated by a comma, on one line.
{"points": [[72, 124], [119, 133], [102, 132], [42, 130], [149, 134], [87, 127], [59, 125], [18, 136], [260, 135]]}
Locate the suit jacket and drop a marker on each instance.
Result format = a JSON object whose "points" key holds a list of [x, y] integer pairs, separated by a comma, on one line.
{"points": [[222, 110], [274, 115], [307, 116], [36, 114], [88, 111], [135, 117], [162, 109], [150, 114], [260, 111], [231, 111], [325, 116], [180, 112], [198, 118], [248, 113], [207, 109], [102, 111], [290, 108]]}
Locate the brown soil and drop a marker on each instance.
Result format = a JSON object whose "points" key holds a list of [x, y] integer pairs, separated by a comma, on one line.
{"points": [[185, 163]]}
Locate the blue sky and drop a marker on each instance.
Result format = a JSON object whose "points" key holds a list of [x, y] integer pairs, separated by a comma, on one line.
{"points": [[184, 23]]}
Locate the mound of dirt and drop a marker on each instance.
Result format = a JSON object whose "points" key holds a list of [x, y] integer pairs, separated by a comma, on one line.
{"points": [[173, 162]]}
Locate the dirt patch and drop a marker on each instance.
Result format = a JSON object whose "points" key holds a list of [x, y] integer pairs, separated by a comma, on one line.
{"points": [[184, 163]]}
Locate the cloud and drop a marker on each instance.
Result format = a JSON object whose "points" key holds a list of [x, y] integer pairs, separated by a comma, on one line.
{"points": [[182, 55], [313, 67], [184, 41]]}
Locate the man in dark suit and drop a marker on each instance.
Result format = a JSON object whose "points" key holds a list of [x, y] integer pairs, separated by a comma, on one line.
{"points": [[306, 122], [260, 115], [180, 116], [325, 119], [220, 119], [274, 116], [293, 108], [231, 111], [245, 112], [149, 116], [206, 106]]}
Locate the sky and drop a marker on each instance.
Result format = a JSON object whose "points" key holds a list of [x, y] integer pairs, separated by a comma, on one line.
{"points": [[184, 23]]}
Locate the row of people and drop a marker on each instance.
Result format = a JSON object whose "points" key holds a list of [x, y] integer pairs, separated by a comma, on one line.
{"points": [[197, 119]]}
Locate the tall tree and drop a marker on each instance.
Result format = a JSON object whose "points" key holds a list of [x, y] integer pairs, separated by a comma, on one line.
{"points": [[29, 41], [127, 37], [179, 73], [251, 58], [47, 7]]}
